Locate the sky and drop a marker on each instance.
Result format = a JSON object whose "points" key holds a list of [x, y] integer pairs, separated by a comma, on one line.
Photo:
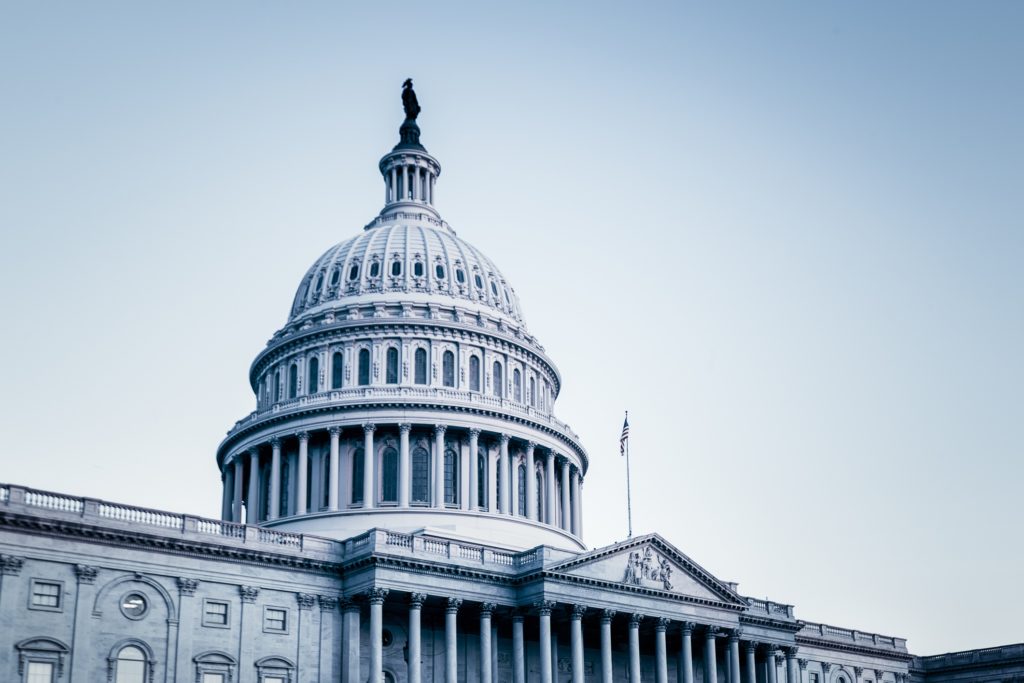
{"points": [[787, 237]]}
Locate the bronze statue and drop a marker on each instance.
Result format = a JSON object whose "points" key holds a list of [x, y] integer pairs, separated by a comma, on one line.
{"points": [[409, 102]]}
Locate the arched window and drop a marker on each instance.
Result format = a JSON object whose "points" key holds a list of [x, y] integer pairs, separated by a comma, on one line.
{"points": [[389, 476], [335, 276], [474, 373], [325, 479], [448, 369], [522, 491], [337, 369], [478, 281], [364, 367], [314, 376], [481, 477], [374, 268], [391, 374], [131, 665], [420, 370], [417, 269], [497, 380], [517, 385], [497, 487], [277, 387], [460, 276], [420, 475], [396, 268], [533, 392], [319, 283], [451, 477], [293, 380], [494, 288], [357, 475], [541, 515], [439, 271], [353, 272]]}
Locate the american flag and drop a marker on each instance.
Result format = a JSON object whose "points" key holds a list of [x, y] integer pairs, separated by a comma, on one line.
{"points": [[625, 435]]}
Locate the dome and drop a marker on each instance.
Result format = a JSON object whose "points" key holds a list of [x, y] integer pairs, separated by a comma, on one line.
{"points": [[406, 257]]}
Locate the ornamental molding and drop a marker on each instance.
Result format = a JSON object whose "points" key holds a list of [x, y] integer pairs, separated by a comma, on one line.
{"points": [[305, 600], [86, 574], [545, 607], [577, 611], [328, 603], [635, 619], [416, 600], [248, 593], [376, 596], [187, 586], [11, 565], [487, 608], [453, 605], [607, 615]]}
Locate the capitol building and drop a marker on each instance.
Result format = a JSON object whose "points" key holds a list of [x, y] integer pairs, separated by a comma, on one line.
{"points": [[402, 505]]}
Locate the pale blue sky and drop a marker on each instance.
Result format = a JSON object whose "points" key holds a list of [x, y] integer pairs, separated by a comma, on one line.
{"points": [[787, 237]]}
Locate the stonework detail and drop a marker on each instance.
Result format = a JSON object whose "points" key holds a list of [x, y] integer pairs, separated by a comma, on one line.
{"points": [[187, 586], [86, 574], [646, 567], [248, 593], [305, 600]]}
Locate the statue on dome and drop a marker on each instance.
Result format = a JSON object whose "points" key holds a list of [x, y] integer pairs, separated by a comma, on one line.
{"points": [[409, 101]]}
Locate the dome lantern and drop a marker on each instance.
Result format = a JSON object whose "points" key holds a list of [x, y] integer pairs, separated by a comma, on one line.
{"points": [[410, 173]]}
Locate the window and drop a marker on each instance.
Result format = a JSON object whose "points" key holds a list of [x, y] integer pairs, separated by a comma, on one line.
{"points": [[417, 269], [497, 380], [39, 672], [478, 281], [521, 493], [391, 376], [275, 620], [396, 268], [420, 369], [215, 613], [494, 288], [364, 367], [134, 605], [46, 595], [319, 282], [314, 375], [517, 385], [375, 269], [213, 678], [451, 477], [131, 665], [474, 373], [335, 276], [439, 271], [540, 496], [460, 276], [277, 387], [420, 475], [42, 658], [274, 670], [337, 368], [533, 392], [497, 488], [448, 369], [325, 478], [293, 380], [353, 272], [357, 475], [389, 475], [481, 477]]}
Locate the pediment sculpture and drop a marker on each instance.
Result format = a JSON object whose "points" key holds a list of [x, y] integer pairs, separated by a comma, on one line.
{"points": [[644, 567]]}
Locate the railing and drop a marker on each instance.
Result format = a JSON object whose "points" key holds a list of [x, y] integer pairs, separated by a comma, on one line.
{"points": [[829, 632], [125, 513], [53, 501], [216, 527], [772, 609], [987, 656]]}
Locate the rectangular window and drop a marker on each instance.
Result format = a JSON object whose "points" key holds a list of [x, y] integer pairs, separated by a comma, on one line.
{"points": [[215, 613], [814, 678], [46, 595], [39, 672], [213, 678], [272, 679], [275, 620]]}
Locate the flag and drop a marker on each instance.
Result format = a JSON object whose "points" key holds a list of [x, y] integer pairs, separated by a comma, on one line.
{"points": [[625, 435]]}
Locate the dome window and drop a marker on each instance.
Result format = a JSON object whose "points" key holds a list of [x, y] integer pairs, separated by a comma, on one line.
{"points": [[353, 272], [375, 269], [474, 373], [314, 375], [417, 269], [448, 369], [391, 374], [364, 367], [478, 281], [335, 276], [420, 371], [337, 368], [420, 475], [319, 282], [396, 268], [439, 271], [494, 288], [460, 276]]}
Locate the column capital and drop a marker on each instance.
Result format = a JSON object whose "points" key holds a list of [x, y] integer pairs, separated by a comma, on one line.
{"points": [[474, 433], [780, 657], [305, 600], [453, 605], [825, 666], [661, 625], [878, 675], [712, 631], [376, 596], [405, 427], [369, 427], [254, 451], [186, 586], [439, 429], [857, 670], [348, 604], [578, 611], [248, 593], [334, 431], [416, 600], [634, 619], [486, 608], [504, 439], [751, 646], [734, 635], [328, 603], [791, 651], [275, 442], [803, 663], [517, 618], [530, 445], [87, 574], [687, 628], [544, 607], [302, 436]]}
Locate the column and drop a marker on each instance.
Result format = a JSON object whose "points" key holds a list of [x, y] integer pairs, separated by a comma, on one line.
{"points": [[394, 184], [531, 483], [734, 655], [826, 666], [350, 649], [369, 491], [566, 513], [771, 666], [575, 485], [606, 645], [332, 475], [415, 666], [405, 183], [549, 484], [505, 475], [685, 673], [660, 651], [544, 608], [451, 634], [485, 641], [492, 481], [404, 468], [710, 663], [252, 504], [300, 479], [750, 673], [576, 641], [513, 499], [225, 498], [634, 646], [474, 468], [791, 672], [439, 465], [275, 478], [376, 597], [494, 651], [238, 478], [518, 650], [803, 672]]}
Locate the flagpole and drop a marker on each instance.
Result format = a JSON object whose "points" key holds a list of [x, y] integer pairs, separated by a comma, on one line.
{"points": [[629, 489]]}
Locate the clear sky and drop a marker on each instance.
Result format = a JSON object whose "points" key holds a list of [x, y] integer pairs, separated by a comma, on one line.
{"points": [[787, 237]]}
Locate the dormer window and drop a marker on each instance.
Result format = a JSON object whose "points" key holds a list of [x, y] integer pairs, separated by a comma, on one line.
{"points": [[375, 269], [439, 271], [319, 282], [353, 272], [460, 276], [417, 269], [494, 288], [335, 276], [478, 281], [396, 268]]}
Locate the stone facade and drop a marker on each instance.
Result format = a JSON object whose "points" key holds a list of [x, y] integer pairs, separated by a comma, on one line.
{"points": [[402, 505]]}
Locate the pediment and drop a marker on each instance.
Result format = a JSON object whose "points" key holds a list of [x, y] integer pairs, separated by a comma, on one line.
{"points": [[648, 562]]}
